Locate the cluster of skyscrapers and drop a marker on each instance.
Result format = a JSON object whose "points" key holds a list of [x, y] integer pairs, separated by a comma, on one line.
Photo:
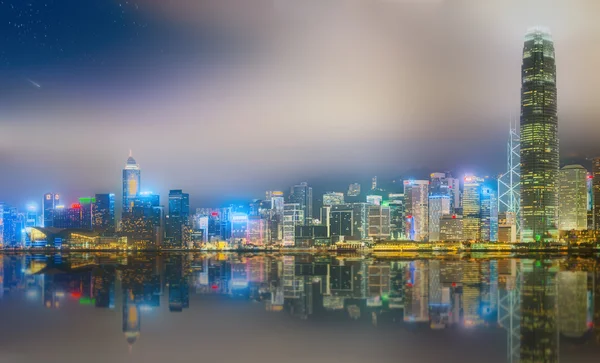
{"points": [[533, 201]]}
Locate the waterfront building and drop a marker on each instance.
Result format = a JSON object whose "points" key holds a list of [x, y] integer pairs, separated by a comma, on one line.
{"points": [[451, 228], [439, 205], [379, 222], [445, 184], [489, 215], [397, 216], [539, 138], [178, 215], [472, 208], [293, 215], [416, 194], [572, 197]]}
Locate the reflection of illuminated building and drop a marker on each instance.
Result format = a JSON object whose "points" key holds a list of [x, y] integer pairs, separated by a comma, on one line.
{"points": [[471, 293], [131, 318], [378, 282], [104, 287], [509, 305], [572, 303], [416, 305], [539, 326]]}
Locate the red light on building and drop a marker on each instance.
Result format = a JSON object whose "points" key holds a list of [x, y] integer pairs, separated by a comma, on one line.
{"points": [[454, 216], [214, 287], [590, 177], [76, 206], [409, 285], [214, 214], [454, 284], [75, 294], [409, 216]]}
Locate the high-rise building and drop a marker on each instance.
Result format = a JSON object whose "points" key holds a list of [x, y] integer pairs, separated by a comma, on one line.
{"points": [[349, 221], [104, 213], [302, 194], [489, 215], [572, 198], [472, 208], [131, 183], [596, 192], [451, 228], [379, 222], [68, 217], [416, 194], [445, 184], [439, 205], [539, 139], [50, 202], [87, 212], [333, 198], [178, 216], [397, 216], [293, 215]]}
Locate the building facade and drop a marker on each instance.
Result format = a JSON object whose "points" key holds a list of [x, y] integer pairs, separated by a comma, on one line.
{"points": [[416, 197], [539, 139], [131, 183], [572, 198]]}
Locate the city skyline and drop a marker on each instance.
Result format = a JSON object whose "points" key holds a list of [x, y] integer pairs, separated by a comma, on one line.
{"points": [[80, 86]]}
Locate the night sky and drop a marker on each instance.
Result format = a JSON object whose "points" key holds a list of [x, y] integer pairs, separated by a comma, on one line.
{"points": [[227, 98]]}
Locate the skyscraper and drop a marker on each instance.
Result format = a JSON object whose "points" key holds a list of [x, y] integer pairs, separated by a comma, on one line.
{"points": [[472, 208], [104, 213], [302, 194], [572, 197], [416, 209], [488, 229], [439, 205], [596, 192], [179, 213], [293, 215], [539, 138], [131, 183], [51, 200]]}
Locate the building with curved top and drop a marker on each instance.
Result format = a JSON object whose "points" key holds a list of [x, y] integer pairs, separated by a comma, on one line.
{"points": [[539, 139], [131, 183]]}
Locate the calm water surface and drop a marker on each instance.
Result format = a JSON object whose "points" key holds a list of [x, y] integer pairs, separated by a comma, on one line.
{"points": [[297, 308]]}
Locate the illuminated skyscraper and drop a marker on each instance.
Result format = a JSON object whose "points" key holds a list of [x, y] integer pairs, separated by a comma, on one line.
{"points": [[293, 215], [596, 192], [302, 194], [51, 200], [179, 214], [416, 208], [439, 205], [489, 215], [104, 213], [131, 183], [472, 208], [444, 184], [572, 197], [397, 216], [539, 138]]}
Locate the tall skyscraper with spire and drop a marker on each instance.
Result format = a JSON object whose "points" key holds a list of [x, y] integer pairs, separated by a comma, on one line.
{"points": [[539, 139], [131, 183]]}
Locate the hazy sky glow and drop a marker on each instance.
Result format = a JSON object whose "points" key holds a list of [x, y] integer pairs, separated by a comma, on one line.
{"points": [[227, 98]]}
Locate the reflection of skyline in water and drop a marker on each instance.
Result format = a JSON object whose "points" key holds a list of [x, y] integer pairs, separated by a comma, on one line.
{"points": [[540, 304]]}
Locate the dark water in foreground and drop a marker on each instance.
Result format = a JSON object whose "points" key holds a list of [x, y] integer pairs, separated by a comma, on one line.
{"points": [[297, 308]]}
